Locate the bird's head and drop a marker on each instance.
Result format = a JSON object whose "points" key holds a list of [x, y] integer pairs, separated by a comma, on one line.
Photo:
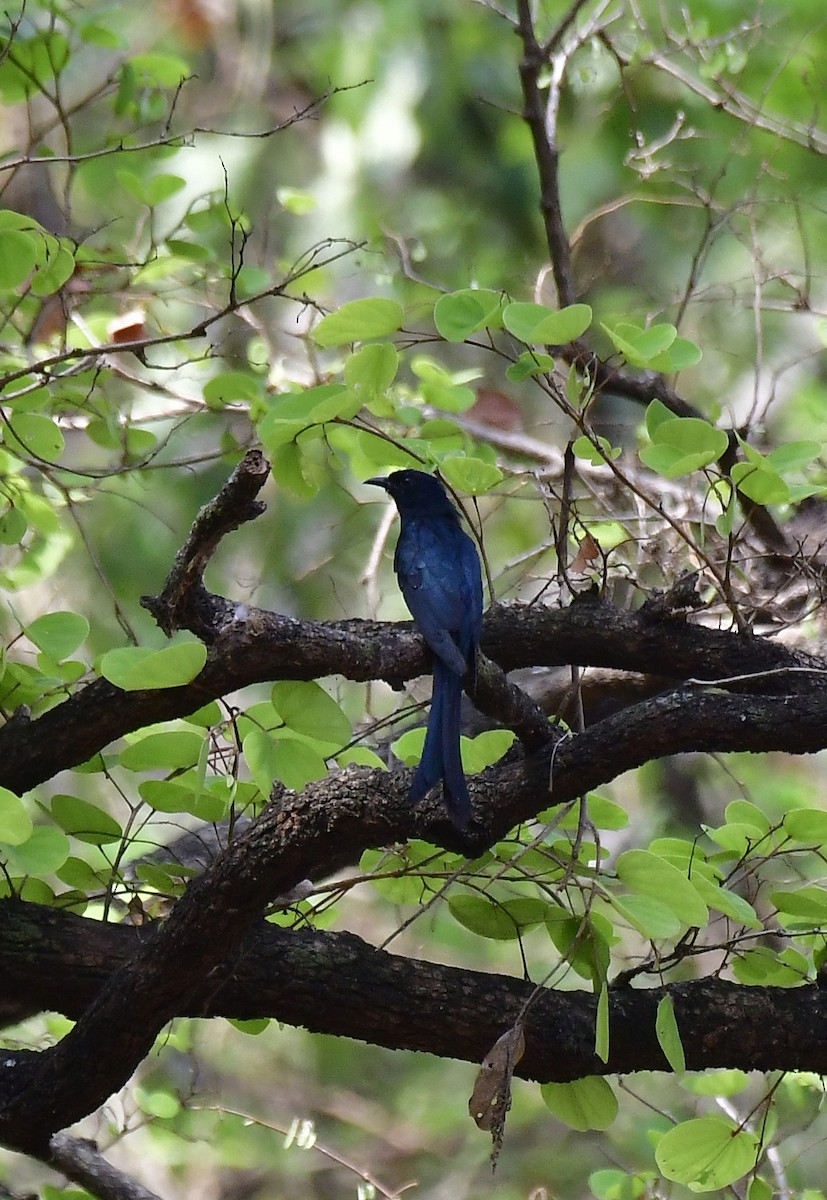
{"points": [[415, 492]]}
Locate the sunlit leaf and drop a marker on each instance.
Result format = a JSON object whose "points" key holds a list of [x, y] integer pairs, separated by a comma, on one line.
{"points": [[707, 1152]]}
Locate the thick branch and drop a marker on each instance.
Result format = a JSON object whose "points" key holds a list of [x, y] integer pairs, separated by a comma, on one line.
{"points": [[257, 646], [335, 983]]}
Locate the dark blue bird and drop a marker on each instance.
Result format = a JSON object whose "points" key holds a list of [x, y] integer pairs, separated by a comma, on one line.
{"points": [[438, 570]]}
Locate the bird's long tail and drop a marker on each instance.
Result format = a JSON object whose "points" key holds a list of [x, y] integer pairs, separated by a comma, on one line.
{"points": [[441, 757]]}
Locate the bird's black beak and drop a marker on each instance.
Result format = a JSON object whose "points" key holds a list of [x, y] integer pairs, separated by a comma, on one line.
{"points": [[379, 481]]}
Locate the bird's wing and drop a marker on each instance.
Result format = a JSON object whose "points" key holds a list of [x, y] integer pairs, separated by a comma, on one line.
{"points": [[437, 583]]}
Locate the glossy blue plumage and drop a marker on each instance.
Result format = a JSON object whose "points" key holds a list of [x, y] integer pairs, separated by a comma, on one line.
{"points": [[438, 569]]}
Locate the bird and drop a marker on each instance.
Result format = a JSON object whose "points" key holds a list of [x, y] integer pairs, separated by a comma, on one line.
{"points": [[438, 569]]}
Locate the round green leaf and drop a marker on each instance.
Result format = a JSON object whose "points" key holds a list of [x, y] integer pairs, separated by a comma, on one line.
{"points": [[54, 272], [536, 324], [85, 821], [563, 326], [639, 346], [680, 356], [682, 445], [232, 387], [371, 370], [760, 483], [358, 320], [43, 853], [306, 707], [501, 920], [647, 874], [462, 313], [167, 750], [161, 187], [260, 753], [582, 1104], [58, 634], [298, 764], [137, 668], [470, 475], [18, 255], [486, 748], [15, 822], [807, 824], [708, 1152], [36, 434]]}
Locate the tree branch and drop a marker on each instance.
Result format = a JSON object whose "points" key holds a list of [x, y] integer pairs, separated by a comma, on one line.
{"points": [[335, 983]]}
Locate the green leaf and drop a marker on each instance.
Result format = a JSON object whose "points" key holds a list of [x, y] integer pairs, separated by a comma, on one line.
{"points": [[306, 707], [18, 255], [261, 755], [85, 821], [680, 356], [762, 967], [614, 1184], [805, 905], [138, 668], [15, 822], [656, 414], [794, 456], [296, 201], [530, 362], [682, 445], [371, 370], [54, 272], [358, 320], [298, 764], [807, 825], [647, 874], [361, 756], [159, 70], [503, 920], [601, 1030], [287, 415], [43, 853], [486, 748], [602, 812], [602, 453], [462, 313], [36, 434], [708, 1152], [668, 1035], [535, 324], [58, 634], [650, 917], [760, 482], [582, 1104], [167, 750], [233, 387], [716, 1083], [470, 475], [639, 346], [161, 187], [745, 812]]}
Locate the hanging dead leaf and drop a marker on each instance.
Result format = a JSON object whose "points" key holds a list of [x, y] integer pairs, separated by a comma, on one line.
{"points": [[491, 1097]]}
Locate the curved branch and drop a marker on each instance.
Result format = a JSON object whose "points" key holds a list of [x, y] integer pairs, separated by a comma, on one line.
{"points": [[329, 824]]}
